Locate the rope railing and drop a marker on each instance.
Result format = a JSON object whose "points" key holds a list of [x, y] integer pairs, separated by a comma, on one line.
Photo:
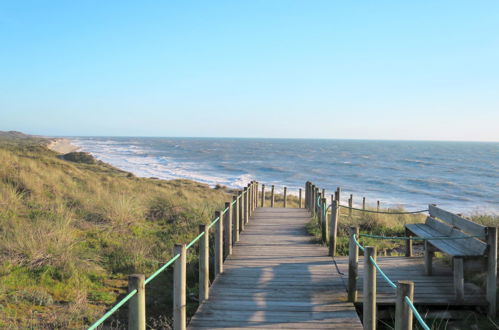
{"points": [[382, 212], [132, 293], [415, 238], [407, 300]]}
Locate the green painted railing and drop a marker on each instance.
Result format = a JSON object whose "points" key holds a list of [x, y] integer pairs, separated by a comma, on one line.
{"points": [[157, 272]]}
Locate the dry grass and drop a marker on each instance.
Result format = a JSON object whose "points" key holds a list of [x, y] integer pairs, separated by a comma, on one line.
{"points": [[68, 228]]}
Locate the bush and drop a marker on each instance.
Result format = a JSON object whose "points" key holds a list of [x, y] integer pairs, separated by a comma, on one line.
{"points": [[79, 157]]}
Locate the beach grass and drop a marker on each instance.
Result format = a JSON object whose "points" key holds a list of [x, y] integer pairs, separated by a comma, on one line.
{"points": [[72, 230]]}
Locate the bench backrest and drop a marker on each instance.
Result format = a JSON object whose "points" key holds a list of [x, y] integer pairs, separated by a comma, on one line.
{"points": [[454, 220]]}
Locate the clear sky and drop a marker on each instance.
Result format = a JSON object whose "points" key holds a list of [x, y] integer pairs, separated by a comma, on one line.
{"points": [[425, 70]]}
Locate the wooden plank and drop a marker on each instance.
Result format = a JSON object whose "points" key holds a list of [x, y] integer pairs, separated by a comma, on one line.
{"points": [[454, 220], [277, 277]]}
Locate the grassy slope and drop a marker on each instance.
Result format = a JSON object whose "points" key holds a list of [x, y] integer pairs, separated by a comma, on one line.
{"points": [[71, 232]]}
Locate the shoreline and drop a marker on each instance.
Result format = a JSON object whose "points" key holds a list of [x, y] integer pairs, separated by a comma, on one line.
{"points": [[62, 146], [140, 168]]}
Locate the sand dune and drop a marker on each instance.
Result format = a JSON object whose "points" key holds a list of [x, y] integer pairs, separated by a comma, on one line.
{"points": [[62, 146]]}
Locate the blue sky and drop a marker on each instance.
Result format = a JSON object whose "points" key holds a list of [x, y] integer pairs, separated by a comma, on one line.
{"points": [[424, 70]]}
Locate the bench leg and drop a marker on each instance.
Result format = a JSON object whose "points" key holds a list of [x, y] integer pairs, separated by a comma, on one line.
{"points": [[428, 256], [459, 278], [408, 244], [492, 271]]}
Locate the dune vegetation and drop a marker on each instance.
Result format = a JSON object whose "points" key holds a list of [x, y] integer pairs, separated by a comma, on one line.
{"points": [[72, 229]]}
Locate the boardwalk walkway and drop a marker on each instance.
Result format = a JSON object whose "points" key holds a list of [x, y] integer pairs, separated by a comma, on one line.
{"points": [[277, 278]]}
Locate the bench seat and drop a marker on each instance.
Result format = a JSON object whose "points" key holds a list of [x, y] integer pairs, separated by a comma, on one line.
{"points": [[462, 247]]}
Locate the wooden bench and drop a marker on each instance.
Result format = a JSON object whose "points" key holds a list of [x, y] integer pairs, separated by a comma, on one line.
{"points": [[472, 241]]}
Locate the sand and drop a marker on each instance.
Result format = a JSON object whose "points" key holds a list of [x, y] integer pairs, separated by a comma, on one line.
{"points": [[62, 146]]}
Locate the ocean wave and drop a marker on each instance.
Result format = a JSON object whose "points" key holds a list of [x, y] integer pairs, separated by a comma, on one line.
{"points": [[396, 177]]}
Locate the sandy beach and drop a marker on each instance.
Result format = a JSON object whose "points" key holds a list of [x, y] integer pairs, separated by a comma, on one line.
{"points": [[62, 146]]}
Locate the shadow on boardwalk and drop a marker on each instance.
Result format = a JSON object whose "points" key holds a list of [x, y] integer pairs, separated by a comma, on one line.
{"points": [[277, 278]]}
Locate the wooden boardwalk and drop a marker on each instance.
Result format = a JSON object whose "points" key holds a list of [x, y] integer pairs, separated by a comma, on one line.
{"points": [[277, 278], [436, 290]]}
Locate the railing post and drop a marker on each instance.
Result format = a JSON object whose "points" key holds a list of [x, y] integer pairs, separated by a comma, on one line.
{"points": [[492, 271], [241, 211], [307, 195], [319, 210], [316, 196], [137, 304], [337, 194], [285, 196], [272, 196], [369, 289], [363, 203], [333, 228], [235, 219], [353, 264], [256, 195], [250, 200], [219, 244], [228, 230], [403, 313], [263, 196], [204, 263], [325, 222], [312, 197], [179, 288], [299, 198], [377, 206], [350, 204], [246, 205]]}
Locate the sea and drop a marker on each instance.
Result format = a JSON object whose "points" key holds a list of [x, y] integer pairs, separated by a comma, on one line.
{"points": [[458, 176]]}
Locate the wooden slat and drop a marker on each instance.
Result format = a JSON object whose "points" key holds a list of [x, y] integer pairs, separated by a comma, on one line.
{"points": [[468, 226], [451, 247], [437, 290], [277, 278]]}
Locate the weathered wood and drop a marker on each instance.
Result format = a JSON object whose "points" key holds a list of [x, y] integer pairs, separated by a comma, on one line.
{"points": [[468, 226], [228, 230], [467, 247], [312, 200], [285, 197], [307, 188], [334, 227], [241, 211], [428, 256], [255, 201], [246, 205], [204, 263], [262, 204], [137, 304], [272, 196], [353, 264], [458, 265], [378, 204], [277, 278], [299, 199], [363, 203], [250, 199], [235, 219], [403, 314], [408, 243], [350, 204], [219, 245], [337, 195], [492, 271], [437, 290], [369, 298], [325, 222], [179, 288]]}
